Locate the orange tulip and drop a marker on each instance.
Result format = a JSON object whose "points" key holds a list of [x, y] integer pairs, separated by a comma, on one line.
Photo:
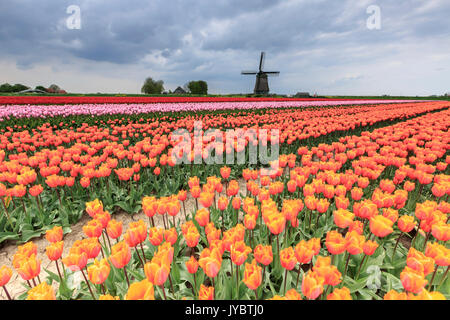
{"points": [[412, 280], [171, 236], [340, 294], [252, 275], [93, 229], [354, 242], [287, 258], [206, 293], [381, 226], [312, 285], [292, 294], [55, 234], [156, 235], [343, 218], [369, 247], [276, 223], [94, 207], [441, 231], [120, 255], [157, 270], [202, 217], [54, 250], [42, 291], [192, 265], [29, 267], [99, 271], [114, 228], [239, 252], [420, 262], [263, 254], [142, 290], [136, 233], [394, 295], [210, 261], [335, 242], [406, 223], [108, 297], [75, 261], [5, 275]]}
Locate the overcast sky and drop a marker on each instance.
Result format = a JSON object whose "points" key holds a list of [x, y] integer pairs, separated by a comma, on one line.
{"points": [[322, 46]]}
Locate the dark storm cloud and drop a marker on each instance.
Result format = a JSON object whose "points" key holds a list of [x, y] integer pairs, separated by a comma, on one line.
{"points": [[215, 40]]}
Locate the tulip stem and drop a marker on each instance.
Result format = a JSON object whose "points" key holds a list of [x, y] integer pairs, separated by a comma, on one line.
{"points": [[360, 265], [34, 282], [195, 283], [285, 280], [7, 293], [310, 216], [396, 244], [264, 273], [164, 221], [256, 294], [29, 284], [139, 256], [143, 253], [278, 246], [298, 274], [346, 266], [432, 278], [7, 214], [89, 287], [164, 292], [443, 278], [413, 241], [237, 282], [57, 268], [126, 275], [109, 241]]}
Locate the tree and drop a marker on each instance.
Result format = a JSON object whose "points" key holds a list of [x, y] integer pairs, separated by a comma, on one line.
{"points": [[152, 87], [19, 87], [41, 88], [6, 87], [198, 87], [54, 88]]}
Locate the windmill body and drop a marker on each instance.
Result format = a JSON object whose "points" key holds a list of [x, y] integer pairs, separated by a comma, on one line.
{"points": [[262, 83]]}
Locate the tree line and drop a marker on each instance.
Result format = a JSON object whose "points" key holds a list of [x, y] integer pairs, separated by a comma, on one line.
{"points": [[8, 88], [151, 86]]}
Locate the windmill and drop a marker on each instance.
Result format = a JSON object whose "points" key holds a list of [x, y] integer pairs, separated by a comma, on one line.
{"points": [[261, 84]]}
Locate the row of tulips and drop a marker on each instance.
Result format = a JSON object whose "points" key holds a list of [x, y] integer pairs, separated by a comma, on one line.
{"points": [[36, 100], [52, 166], [45, 111], [315, 231]]}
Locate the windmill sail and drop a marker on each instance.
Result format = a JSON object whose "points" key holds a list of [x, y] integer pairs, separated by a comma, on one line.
{"points": [[261, 84]]}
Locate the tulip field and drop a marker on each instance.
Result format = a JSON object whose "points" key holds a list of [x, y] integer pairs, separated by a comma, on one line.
{"points": [[354, 207]]}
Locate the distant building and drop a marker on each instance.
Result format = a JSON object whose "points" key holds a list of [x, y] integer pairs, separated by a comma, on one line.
{"points": [[179, 90], [302, 95]]}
